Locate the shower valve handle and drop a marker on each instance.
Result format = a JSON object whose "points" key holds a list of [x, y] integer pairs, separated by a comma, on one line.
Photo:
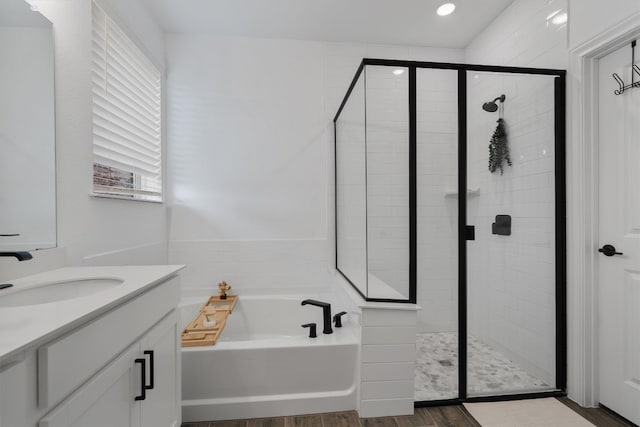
{"points": [[609, 250]]}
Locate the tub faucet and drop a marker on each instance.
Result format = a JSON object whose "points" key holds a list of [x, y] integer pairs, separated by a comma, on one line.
{"points": [[326, 314]]}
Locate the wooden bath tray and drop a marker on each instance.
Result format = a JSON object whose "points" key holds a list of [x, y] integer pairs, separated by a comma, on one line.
{"points": [[197, 334]]}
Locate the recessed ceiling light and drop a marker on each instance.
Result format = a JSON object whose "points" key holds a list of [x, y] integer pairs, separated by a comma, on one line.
{"points": [[398, 71], [446, 9]]}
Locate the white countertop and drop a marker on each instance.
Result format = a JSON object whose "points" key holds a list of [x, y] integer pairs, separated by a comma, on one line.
{"points": [[27, 326]]}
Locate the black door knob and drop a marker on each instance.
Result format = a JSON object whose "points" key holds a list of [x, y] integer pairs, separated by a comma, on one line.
{"points": [[609, 250]]}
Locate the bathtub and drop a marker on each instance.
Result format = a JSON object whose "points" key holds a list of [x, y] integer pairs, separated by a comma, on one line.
{"points": [[264, 364]]}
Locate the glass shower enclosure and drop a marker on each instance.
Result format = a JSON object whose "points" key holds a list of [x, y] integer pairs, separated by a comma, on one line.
{"points": [[450, 194]]}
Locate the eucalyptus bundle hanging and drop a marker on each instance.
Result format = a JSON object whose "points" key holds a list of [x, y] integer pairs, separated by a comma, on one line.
{"points": [[499, 148]]}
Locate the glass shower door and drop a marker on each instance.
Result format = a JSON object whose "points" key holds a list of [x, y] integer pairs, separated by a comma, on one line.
{"points": [[511, 263]]}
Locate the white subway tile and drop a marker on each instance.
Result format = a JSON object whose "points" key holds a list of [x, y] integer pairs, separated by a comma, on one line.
{"points": [[385, 407], [388, 353], [387, 389], [388, 335], [388, 317], [387, 371]]}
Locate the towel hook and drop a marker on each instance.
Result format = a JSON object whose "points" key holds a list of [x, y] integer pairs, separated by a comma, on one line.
{"points": [[634, 70]]}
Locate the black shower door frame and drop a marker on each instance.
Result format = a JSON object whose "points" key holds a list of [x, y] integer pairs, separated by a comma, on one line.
{"points": [[463, 227]]}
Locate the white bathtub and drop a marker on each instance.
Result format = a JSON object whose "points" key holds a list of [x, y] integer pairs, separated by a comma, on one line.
{"points": [[265, 365]]}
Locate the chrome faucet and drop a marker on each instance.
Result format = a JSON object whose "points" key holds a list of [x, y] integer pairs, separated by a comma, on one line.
{"points": [[326, 314]]}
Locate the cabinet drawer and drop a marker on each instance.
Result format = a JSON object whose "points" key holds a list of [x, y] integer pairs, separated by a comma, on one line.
{"points": [[66, 363]]}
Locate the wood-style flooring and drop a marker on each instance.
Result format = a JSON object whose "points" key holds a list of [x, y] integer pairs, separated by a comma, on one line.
{"points": [[439, 416]]}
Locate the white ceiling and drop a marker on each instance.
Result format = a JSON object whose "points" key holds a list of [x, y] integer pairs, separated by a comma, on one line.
{"points": [[406, 22], [18, 13]]}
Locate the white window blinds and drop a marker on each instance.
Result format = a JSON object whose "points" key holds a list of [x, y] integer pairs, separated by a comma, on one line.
{"points": [[126, 115]]}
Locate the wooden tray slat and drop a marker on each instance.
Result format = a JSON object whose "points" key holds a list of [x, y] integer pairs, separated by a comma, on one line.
{"points": [[196, 334]]}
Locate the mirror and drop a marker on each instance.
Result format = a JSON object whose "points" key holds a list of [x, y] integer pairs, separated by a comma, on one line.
{"points": [[27, 129]]}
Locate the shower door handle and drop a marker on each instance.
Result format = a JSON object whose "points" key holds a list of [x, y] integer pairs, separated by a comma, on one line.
{"points": [[470, 232], [609, 250]]}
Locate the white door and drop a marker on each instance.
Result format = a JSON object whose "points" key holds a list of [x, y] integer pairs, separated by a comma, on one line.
{"points": [[619, 219]]}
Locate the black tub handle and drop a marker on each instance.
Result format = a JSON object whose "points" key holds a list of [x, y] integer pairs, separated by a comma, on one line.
{"points": [[312, 329], [337, 319]]}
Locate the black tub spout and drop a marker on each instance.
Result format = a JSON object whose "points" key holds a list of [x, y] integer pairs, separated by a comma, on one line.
{"points": [[326, 314]]}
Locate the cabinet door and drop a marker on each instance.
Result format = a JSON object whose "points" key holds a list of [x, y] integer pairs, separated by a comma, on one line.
{"points": [[161, 347], [107, 400]]}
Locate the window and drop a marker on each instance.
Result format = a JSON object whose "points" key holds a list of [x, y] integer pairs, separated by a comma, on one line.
{"points": [[127, 125]]}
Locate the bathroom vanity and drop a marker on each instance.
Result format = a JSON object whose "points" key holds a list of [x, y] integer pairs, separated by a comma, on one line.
{"points": [[107, 358]]}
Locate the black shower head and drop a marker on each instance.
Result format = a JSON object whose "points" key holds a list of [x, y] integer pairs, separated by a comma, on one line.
{"points": [[491, 106]]}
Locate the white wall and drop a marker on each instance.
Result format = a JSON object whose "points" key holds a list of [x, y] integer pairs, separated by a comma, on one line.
{"points": [[523, 36], [251, 153], [590, 18], [247, 161], [246, 139], [128, 232]]}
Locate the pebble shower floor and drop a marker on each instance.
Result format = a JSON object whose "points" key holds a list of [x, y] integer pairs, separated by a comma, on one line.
{"points": [[490, 372]]}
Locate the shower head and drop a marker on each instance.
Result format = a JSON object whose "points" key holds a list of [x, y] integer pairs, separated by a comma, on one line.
{"points": [[491, 106]]}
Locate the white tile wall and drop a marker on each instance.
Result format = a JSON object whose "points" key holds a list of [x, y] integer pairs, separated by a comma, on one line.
{"points": [[387, 361], [524, 36], [385, 317], [267, 266], [386, 389], [590, 18], [386, 407], [388, 334], [388, 371], [373, 353], [147, 254]]}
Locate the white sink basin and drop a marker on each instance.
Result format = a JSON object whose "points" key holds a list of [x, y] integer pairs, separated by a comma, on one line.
{"points": [[55, 291]]}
